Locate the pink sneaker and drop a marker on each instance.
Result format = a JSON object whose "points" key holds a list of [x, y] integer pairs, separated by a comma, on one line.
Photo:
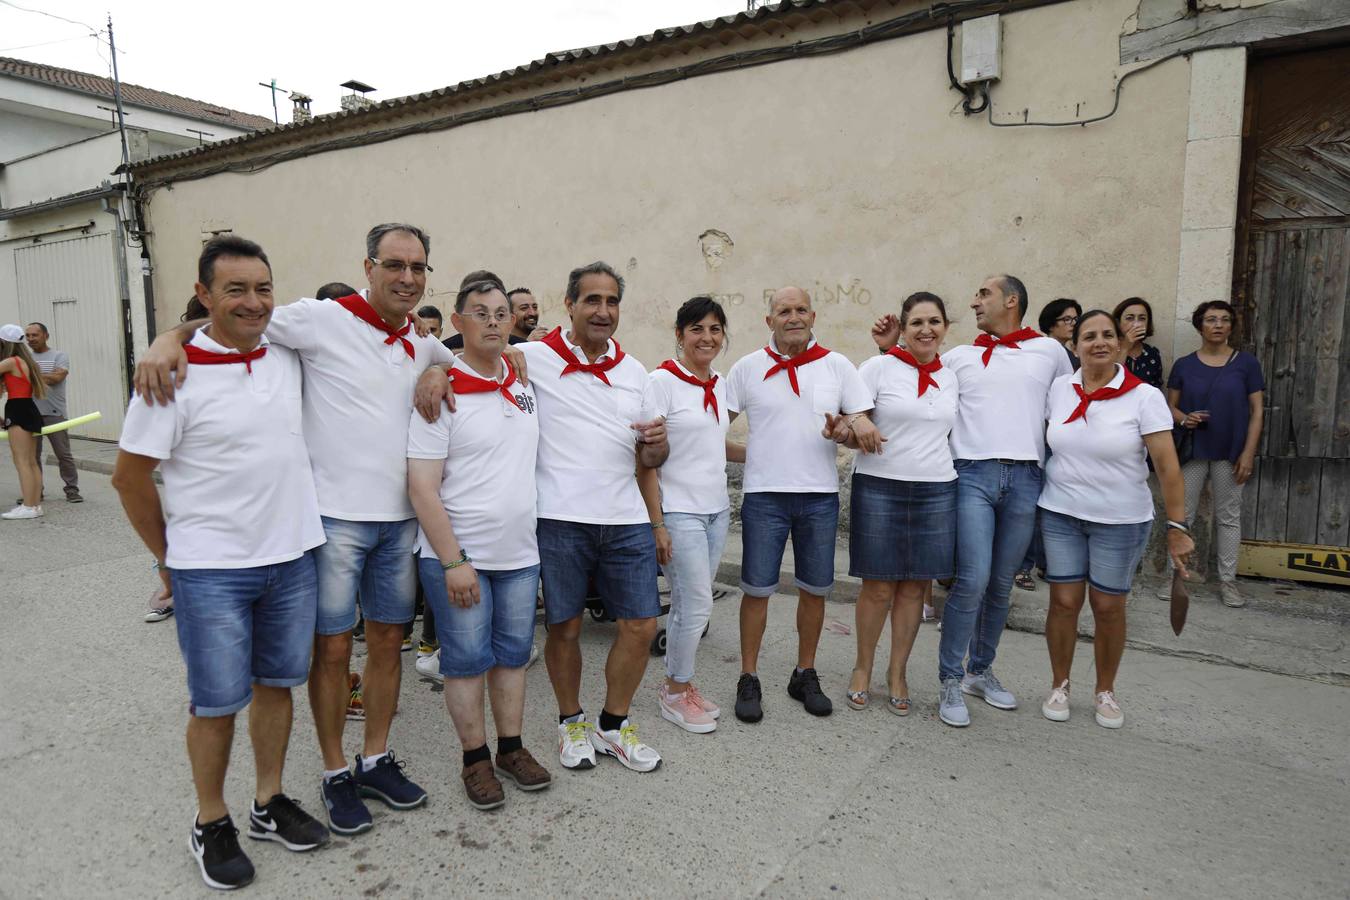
{"points": [[685, 711], [709, 707]]}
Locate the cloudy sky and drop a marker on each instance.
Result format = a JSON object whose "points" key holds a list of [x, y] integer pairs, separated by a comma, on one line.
{"points": [[400, 48]]}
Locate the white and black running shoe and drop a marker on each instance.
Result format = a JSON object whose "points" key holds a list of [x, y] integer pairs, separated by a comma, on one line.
{"points": [[282, 820], [215, 847]]}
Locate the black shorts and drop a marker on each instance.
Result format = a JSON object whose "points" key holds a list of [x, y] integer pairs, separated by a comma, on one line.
{"points": [[24, 413]]}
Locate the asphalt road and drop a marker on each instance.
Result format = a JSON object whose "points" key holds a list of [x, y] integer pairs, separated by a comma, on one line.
{"points": [[1224, 782]]}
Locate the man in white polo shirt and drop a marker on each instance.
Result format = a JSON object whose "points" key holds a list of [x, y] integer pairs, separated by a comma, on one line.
{"points": [[232, 539], [361, 360], [998, 444], [791, 485], [593, 429]]}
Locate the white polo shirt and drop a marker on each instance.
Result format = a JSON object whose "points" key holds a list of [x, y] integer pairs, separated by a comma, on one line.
{"points": [[238, 491], [487, 484], [587, 449], [358, 394], [916, 428], [1097, 470], [1002, 406], [785, 451], [694, 477]]}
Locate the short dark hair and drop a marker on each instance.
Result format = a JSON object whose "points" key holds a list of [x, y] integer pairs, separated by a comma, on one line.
{"points": [[918, 297], [1135, 301], [696, 309], [430, 312], [45, 332], [1054, 309], [333, 290], [376, 234], [194, 311], [520, 290], [596, 268], [482, 275], [1198, 316], [1011, 284], [227, 245], [480, 286], [1092, 314]]}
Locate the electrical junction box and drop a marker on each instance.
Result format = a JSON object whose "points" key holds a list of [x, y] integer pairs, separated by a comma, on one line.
{"points": [[981, 49]]}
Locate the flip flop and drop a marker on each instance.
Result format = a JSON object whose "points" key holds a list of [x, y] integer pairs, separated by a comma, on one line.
{"points": [[898, 705], [1024, 582]]}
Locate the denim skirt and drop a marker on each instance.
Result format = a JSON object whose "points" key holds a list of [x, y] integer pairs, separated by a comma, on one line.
{"points": [[902, 530]]}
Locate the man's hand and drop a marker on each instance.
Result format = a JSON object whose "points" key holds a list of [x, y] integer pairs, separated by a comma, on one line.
{"points": [[433, 388], [538, 334], [886, 332], [517, 360], [164, 596], [653, 432], [836, 429], [461, 583], [161, 369], [419, 326], [868, 436], [664, 549]]}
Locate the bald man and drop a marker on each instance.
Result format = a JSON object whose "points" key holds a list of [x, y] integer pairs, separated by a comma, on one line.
{"points": [[789, 391]]}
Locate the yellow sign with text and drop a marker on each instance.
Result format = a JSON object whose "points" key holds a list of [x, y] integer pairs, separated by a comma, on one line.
{"points": [[1297, 562]]}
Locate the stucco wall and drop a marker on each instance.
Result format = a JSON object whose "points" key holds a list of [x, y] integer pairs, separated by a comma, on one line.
{"points": [[854, 175]]}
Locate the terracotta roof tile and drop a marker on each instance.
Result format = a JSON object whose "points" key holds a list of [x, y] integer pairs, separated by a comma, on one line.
{"points": [[132, 94]]}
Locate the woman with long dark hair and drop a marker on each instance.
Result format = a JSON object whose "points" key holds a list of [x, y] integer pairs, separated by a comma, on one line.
{"points": [[23, 421]]}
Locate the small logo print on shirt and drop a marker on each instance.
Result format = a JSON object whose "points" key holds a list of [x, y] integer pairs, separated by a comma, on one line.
{"points": [[526, 403]]}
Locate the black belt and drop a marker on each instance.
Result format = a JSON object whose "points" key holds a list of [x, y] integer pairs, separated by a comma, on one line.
{"points": [[1017, 462]]}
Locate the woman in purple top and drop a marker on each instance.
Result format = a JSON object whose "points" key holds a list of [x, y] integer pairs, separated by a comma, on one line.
{"points": [[1217, 392]]}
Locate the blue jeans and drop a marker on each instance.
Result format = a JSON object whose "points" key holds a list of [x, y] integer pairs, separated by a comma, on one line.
{"points": [[696, 544], [621, 559], [498, 630], [995, 517], [767, 520], [240, 627], [377, 559]]}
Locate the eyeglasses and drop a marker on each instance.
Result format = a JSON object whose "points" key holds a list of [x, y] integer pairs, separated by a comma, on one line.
{"points": [[1222, 320], [482, 316], [1067, 320], [396, 266]]}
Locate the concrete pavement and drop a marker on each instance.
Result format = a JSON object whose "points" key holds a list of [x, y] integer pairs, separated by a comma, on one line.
{"points": [[1225, 781]]}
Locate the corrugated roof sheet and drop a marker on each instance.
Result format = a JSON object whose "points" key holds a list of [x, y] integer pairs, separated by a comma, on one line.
{"points": [[132, 94]]}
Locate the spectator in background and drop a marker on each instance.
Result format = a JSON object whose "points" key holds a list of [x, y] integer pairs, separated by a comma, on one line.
{"points": [[54, 366], [1057, 321], [1140, 359], [21, 386], [526, 310], [333, 290], [1217, 392], [432, 318]]}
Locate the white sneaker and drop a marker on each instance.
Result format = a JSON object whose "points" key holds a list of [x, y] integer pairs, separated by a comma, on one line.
{"points": [[22, 512], [623, 744], [575, 750], [1056, 706], [429, 667]]}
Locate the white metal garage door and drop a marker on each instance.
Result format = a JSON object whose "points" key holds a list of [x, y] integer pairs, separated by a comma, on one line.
{"points": [[71, 287]]}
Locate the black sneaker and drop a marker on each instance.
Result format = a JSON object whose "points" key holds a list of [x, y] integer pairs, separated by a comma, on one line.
{"points": [[386, 782], [74, 497], [805, 687], [282, 820], [748, 695], [215, 847], [346, 813]]}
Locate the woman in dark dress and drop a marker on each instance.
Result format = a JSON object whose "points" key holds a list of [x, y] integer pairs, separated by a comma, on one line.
{"points": [[1136, 324]]}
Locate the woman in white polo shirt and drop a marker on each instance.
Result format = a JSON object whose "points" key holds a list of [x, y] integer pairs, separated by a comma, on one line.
{"points": [[691, 514], [1096, 507], [902, 520]]}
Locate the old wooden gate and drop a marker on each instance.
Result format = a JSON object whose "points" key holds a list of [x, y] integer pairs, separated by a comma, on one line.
{"points": [[1293, 293]]}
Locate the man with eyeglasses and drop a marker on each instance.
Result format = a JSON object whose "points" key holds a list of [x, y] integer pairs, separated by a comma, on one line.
{"points": [[456, 341], [361, 359]]}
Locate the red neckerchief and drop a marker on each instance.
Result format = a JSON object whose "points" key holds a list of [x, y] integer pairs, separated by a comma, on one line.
{"points": [[360, 307], [1129, 383], [555, 340], [809, 355], [926, 370], [989, 342], [709, 398], [203, 357], [468, 383]]}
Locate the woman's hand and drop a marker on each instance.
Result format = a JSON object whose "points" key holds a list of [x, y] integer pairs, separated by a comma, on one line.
{"points": [[1179, 548], [868, 436], [886, 332], [1193, 420], [461, 583], [665, 551], [1242, 469]]}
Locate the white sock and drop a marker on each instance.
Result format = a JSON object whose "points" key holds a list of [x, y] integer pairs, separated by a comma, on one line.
{"points": [[330, 774], [369, 762]]}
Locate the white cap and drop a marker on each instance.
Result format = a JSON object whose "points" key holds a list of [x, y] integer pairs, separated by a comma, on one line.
{"points": [[12, 333]]}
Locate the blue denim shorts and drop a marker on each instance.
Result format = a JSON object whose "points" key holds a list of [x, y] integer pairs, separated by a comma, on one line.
{"points": [[767, 520], [1105, 556], [373, 557], [621, 559], [902, 530], [240, 627], [498, 630]]}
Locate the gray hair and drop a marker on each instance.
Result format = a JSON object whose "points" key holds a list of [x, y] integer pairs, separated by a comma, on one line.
{"points": [[376, 234], [595, 268]]}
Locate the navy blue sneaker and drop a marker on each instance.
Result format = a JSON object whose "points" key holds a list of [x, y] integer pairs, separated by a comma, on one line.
{"points": [[346, 813], [387, 782]]}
